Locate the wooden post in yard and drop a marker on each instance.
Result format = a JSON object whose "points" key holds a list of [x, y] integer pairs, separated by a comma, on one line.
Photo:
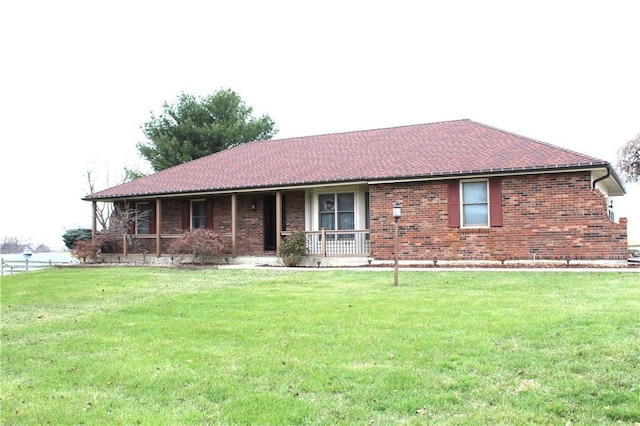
{"points": [[395, 265]]}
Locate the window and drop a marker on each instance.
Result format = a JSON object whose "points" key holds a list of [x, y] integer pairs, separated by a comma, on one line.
{"points": [[198, 214], [472, 197], [337, 211], [475, 203], [143, 218]]}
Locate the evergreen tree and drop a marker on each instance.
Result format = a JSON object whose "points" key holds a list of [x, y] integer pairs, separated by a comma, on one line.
{"points": [[194, 127]]}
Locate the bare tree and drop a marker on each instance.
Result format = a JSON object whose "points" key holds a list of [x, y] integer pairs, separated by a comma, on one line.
{"points": [[121, 225], [11, 245], [103, 210], [629, 160]]}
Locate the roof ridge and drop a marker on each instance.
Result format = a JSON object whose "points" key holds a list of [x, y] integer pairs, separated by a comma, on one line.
{"points": [[350, 132], [364, 131]]}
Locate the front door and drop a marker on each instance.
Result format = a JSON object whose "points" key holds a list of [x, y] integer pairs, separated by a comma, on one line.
{"points": [[269, 223]]}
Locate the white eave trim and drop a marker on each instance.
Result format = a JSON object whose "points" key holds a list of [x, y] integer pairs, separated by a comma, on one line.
{"points": [[229, 191], [472, 175], [400, 179]]}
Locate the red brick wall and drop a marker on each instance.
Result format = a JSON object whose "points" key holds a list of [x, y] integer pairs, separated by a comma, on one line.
{"points": [[295, 216], [222, 214], [171, 217], [251, 223], [556, 216]]}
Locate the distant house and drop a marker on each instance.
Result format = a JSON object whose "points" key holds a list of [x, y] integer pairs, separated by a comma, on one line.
{"points": [[468, 192]]}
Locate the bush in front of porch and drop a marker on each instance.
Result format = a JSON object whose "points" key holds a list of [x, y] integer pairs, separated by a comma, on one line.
{"points": [[293, 248], [199, 242]]}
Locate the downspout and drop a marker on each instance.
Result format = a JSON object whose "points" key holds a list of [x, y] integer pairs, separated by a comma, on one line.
{"points": [[601, 178], [595, 182]]}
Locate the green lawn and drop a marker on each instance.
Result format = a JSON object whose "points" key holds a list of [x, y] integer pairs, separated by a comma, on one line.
{"points": [[166, 346]]}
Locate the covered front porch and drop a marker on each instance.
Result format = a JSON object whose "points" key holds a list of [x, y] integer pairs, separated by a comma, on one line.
{"points": [[252, 223]]}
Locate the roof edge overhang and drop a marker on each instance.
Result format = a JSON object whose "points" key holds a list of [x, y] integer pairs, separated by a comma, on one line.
{"points": [[265, 189], [613, 182], [610, 180], [604, 169]]}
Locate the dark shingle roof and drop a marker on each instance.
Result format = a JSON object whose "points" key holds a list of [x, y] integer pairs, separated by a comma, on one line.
{"points": [[452, 148]]}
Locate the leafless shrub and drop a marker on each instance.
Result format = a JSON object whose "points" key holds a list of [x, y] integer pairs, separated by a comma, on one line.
{"points": [[121, 226], [199, 243], [85, 250]]}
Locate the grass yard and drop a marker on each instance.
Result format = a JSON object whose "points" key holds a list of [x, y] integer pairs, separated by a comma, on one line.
{"points": [[166, 346]]}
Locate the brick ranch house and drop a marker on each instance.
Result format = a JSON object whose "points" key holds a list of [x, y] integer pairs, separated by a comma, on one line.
{"points": [[468, 191]]}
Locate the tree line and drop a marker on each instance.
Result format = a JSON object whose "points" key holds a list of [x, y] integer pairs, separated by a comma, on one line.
{"points": [[12, 245]]}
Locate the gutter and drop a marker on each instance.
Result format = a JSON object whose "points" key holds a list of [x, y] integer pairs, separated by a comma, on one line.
{"points": [[372, 180], [601, 178]]}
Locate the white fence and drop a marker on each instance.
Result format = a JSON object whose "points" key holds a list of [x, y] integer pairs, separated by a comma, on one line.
{"points": [[14, 263]]}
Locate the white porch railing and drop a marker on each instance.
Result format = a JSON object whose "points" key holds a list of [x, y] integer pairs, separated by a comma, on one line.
{"points": [[338, 243]]}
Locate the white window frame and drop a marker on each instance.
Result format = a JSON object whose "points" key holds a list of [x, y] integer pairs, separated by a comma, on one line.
{"points": [[463, 222], [337, 210], [312, 205], [203, 217]]}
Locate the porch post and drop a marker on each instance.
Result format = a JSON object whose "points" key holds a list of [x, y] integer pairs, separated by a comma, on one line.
{"points": [[94, 220], [278, 221], [323, 235], [158, 227], [234, 221]]}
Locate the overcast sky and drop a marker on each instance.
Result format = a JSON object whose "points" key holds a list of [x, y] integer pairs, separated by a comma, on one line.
{"points": [[79, 78]]}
